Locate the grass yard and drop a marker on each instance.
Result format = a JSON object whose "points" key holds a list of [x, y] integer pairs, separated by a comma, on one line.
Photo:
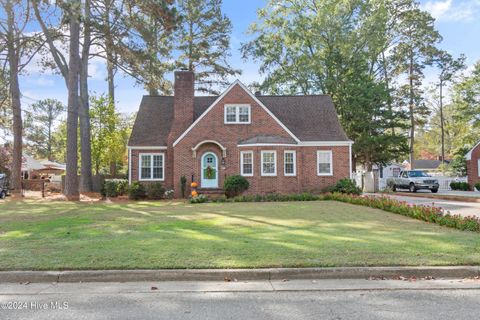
{"points": [[61, 235]]}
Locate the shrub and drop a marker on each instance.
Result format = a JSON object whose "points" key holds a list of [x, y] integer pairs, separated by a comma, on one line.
{"points": [[429, 214], [183, 185], [198, 199], [169, 194], [155, 191], [114, 187], [477, 186], [235, 185], [345, 186], [463, 186], [136, 191], [274, 197]]}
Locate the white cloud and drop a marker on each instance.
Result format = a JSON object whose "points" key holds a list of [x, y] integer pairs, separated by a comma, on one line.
{"points": [[449, 10]]}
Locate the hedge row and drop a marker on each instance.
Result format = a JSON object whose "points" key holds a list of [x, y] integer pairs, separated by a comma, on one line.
{"points": [[429, 214]]}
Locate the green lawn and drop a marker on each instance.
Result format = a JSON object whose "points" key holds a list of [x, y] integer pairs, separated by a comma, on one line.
{"points": [[63, 235]]}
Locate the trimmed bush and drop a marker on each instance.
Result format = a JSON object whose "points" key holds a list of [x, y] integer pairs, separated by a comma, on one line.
{"points": [[136, 191], [198, 199], [345, 186], [462, 186], [425, 213], [114, 187], [235, 185], [274, 197], [183, 185], [477, 186], [155, 191]]}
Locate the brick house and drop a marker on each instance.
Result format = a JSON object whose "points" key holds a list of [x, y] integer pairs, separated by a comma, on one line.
{"points": [[281, 144], [473, 165]]}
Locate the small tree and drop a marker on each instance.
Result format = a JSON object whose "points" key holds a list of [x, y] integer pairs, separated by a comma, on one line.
{"points": [[39, 126]]}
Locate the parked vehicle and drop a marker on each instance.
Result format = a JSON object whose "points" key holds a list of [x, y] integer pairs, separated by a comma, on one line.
{"points": [[3, 186], [414, 180]]}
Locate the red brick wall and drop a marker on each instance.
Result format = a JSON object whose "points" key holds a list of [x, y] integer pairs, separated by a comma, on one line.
{"points": [[134, 163], [472, 167]]}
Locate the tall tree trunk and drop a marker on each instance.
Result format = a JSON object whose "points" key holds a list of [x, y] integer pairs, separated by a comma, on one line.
{"points": [[442, 128], [109, 50], [86, 184], [412, 116], [49, 142], [71, 178], [387, 83], [13, 57]]}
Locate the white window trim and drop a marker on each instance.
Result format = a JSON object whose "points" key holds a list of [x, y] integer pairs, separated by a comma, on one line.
{"points": [[294, 163], [241, 164], [151, 163], [275, 162], [331, 162], [237, 113], [478, 167]]}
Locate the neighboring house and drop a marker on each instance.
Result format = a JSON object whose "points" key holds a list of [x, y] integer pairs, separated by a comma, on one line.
{"points": [[30, 166], [281, 144], [473, 164], [431, 166]]}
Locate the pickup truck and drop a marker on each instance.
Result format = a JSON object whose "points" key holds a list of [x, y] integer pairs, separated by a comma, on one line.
{"points": [[413, 180]]}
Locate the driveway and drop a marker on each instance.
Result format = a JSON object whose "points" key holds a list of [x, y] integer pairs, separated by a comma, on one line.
{"points": [[463, 208]]}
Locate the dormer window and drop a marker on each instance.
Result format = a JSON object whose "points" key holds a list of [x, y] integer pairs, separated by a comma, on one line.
{"points": [[237, 114]]}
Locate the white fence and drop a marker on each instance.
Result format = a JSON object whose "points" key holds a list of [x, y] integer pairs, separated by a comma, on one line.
{"points": [[444, 182]]}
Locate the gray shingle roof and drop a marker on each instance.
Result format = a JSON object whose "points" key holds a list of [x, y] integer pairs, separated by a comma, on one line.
{"points": [[427, 164], [309, 118], [267, 139]]}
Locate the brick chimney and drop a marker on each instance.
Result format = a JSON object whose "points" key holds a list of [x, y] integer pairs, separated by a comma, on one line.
{"points": [[184, 91]]}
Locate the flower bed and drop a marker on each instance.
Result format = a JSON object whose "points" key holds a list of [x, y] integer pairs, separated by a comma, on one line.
{"points": [[429, 214]]}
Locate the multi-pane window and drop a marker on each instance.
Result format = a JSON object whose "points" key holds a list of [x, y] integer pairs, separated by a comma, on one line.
{"points": [[244, 114], [289, 163], [246, 163], [152, 166], [239, 114], [269, 163], [324, 163], [230, 114]]}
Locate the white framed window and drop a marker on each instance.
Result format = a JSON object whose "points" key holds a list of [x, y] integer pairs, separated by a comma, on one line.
{"points": [[324, 163], [237, 114], [290, 163], [246, 163], [269, 163], [152, 166]]}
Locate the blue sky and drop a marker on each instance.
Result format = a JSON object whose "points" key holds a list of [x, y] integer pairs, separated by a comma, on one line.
{"points": [[457, 21]]}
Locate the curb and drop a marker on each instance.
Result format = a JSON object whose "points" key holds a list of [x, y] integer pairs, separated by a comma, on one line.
{"points": [[237, 274]]}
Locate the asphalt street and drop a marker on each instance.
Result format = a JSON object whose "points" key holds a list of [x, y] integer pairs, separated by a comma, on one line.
{"points": [[300, 299]]}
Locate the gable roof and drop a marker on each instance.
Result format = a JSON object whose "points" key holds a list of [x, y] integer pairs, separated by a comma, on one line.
{"points": [[468, 156], [306, 118]]}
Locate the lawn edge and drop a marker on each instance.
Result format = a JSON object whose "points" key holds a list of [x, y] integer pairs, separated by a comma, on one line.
{"points": [[433, 196], [237, 274]]}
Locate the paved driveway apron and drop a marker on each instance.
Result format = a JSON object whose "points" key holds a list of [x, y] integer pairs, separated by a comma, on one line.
{"points": [[455, 207]]}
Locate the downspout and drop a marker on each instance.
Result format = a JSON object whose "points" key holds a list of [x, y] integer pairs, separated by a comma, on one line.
{"points": [[350, 156], [129, 166]]}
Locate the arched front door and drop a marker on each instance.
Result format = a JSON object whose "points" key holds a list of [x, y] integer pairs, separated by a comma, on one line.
{"points": [[209, 170]]}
